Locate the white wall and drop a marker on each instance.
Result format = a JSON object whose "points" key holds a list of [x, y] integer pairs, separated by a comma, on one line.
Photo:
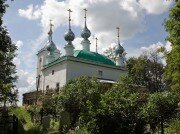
{"points": [[58, 77], [41, 55], [69, 69], [76, 69]]}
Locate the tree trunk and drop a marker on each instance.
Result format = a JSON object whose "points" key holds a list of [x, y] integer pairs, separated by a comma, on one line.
{"points": [[162, 125]]}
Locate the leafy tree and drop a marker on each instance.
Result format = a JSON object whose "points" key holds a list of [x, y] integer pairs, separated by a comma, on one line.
{"points": [[172, 26], [161, 107], [147, 71], [110, 53], [77, 94], [173, 127], [119, 110], [7, 67], [49, 102], [7, 94]]}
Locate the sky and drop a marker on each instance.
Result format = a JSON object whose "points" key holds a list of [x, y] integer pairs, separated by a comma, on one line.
{"points": [[140, 22]]}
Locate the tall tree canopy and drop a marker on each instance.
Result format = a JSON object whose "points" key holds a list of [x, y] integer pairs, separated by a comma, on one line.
{"points": [[147, 70], [172, 26], [7, 67]]}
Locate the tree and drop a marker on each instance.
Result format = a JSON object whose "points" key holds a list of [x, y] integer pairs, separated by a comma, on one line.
{"points": [[76, 95], [161, 107], [119, 110], [147, 71], [8, 92], [110, 53], [49, 102], [172, 26]]}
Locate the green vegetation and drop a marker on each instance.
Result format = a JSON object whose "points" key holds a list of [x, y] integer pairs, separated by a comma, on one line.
{"points": [[172, 26], [24, 118], [123, 108], [173, 127], [8, 93], [142, 102]]}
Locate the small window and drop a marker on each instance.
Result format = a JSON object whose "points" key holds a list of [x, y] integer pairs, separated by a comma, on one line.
{"points": [[57, 87], [47, 87], [52, 72], [100, 73], [40, 59]]}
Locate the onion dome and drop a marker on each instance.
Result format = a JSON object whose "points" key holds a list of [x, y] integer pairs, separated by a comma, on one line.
{"points": [[69, 36], [85, 33], [119, 50], [51, 47]]}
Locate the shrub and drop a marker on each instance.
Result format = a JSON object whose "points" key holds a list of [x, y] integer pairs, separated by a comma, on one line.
{"points": [[174, 127]]}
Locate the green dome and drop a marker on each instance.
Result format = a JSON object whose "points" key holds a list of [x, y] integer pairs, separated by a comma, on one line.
{"points": [[92, 56]]}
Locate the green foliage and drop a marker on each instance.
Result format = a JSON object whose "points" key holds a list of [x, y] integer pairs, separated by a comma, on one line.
{"points": [[173, 127], [147, 72], [119, 111], [82, 130], [161, 107], [77, 94], [124, 108], [172, 26], [34, 111], [24, 117], [8, 93], [49, 102], [7, 67]]}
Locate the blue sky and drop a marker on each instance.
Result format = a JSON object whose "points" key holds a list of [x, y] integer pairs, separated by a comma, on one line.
{"points": [[140, 22]]}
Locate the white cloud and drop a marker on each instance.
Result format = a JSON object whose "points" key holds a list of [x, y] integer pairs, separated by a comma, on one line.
{"points": [[25, 79], [168, 46], [26, 82], [155, 6], [156, 46], [102, 18], [19, 44], [17, 61], [30, 13]]}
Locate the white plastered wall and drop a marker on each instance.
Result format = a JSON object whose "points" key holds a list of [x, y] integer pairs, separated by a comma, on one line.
{"points": [[59, 76], [42, 55], [76, 69]]}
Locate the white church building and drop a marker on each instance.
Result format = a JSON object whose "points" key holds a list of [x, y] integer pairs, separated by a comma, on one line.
{"points": [[54, 70]]}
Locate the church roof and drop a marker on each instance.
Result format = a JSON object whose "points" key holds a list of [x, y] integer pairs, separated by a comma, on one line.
{"points": [[93, 56]]}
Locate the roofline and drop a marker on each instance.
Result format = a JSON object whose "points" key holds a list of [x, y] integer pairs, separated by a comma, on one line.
{"points": [[71, 58], [40, 51]]}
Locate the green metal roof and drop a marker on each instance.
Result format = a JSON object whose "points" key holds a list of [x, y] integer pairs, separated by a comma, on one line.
{"points": [[92, 56]]}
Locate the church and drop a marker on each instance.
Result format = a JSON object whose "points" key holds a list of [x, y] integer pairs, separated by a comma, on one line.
{"points": [[54, 70]]}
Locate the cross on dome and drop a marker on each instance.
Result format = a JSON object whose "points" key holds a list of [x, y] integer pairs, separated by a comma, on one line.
{"points": [[96, 44], [118, 29], [85, 12], [69, 10], [50, 31]]}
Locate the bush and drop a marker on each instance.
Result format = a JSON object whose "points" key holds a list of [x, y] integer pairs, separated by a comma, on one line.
{"points": [[23, 116], [174, 127]]}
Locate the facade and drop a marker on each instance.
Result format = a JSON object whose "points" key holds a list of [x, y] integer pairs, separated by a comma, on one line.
{"points": [[30, 97], [54, 70]]}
